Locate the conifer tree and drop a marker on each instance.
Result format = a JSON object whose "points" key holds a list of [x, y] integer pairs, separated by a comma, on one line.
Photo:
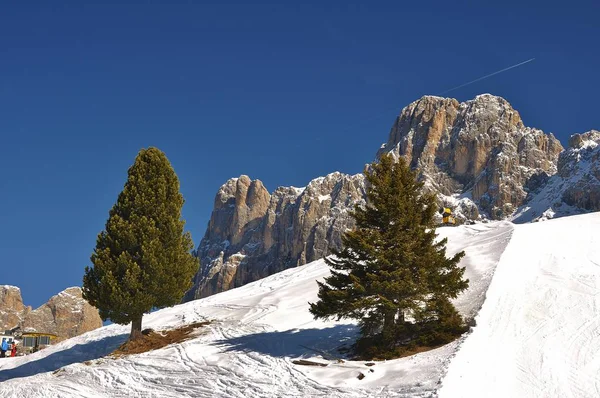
{"points": [[391, 274], [142, 259]]}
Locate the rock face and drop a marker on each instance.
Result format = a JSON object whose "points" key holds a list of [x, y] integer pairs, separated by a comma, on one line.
{"points": [[479, 149], [477, 156], [582, 161], [253, 234], [67, 314], [11, 307], [575, 188]]}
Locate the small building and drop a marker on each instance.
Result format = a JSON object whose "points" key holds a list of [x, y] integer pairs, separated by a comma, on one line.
{"points": [[35, 341]]}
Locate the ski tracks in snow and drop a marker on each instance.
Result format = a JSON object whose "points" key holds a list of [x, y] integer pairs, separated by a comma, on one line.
{"points": [[538, 332], [255, 333]]}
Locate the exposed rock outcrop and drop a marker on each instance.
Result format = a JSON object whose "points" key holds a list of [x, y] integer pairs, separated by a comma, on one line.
{"points": [[477, 156], [575, 188], [11, 307], [252, 234], [66, 315], [582, 160], [479, 149]]}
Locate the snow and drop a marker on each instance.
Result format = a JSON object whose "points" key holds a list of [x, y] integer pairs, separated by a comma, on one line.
{"points": [[247, 351], [588, 144], [324, 198], [66, 294], [483, 245], [298, 190], [536, 335], [460, 204]]}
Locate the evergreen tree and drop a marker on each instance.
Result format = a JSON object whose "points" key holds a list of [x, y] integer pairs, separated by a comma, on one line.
{"points": [[142, 259], [391, 274]]}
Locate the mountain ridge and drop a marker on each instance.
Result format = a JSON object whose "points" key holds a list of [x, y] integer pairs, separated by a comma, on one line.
{"points": [[65, 314], [477, 156]]}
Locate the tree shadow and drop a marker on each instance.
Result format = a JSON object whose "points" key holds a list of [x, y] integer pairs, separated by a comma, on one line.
{"points": [[295, 342], [78, 353]]}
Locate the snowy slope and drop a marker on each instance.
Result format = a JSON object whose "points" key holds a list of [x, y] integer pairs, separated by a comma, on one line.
{"points": [[257, 330], [578, 170], [538, 333]]}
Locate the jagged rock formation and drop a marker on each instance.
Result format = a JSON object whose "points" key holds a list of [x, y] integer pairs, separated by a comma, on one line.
{"points": [[582, 160], [478, 156], [252, 234], [67, 314], [11, 307], [575, 188], [479, 148]]}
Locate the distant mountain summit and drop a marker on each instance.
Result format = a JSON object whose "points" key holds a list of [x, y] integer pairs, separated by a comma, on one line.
{"points": [[477, 156], [478, 150], [66, 314]]}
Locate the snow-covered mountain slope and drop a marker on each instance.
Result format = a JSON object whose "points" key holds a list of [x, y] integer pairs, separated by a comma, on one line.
{"points": [[575, 189], [538, 333], [248, 349]]}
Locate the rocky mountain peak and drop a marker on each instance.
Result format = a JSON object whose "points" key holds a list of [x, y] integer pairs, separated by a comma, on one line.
{"points": [[10, 298], [479, 149], [11, 306], [239, 204], [252, 234], [66, 314], [591, 138]]}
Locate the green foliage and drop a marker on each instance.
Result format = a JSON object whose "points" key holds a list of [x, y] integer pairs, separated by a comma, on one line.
{"points": [[142, 259], [391, 274]]}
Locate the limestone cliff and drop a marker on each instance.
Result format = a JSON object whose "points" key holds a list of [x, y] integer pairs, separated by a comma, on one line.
{"points": [[11, 307], [479, 149], [252, 234], [575, 188], [67, 314]]}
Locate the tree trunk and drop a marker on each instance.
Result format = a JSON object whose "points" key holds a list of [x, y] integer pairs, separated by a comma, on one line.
{"points": [[389, 329], [401, 318], [136, 328]]}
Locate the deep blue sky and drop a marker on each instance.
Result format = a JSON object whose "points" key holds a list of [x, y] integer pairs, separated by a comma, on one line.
{"points": [[281, 92]]}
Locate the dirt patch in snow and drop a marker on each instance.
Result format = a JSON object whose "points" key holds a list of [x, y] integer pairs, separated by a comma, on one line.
{"points": [[152, 340]]}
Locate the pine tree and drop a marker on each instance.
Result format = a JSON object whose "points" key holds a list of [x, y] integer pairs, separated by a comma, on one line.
{"points": [[391, 274], [142, 259]]}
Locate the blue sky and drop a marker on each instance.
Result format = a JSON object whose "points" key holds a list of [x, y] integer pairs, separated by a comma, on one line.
{"points": [[281, 91]]}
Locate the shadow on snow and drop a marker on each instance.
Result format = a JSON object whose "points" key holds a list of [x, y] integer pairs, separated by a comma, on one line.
{"points": [[78, 353], [290, 343], [295, 342]]}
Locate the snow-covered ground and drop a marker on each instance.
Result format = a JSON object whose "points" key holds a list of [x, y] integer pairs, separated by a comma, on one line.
{"points": [[536, 334]]}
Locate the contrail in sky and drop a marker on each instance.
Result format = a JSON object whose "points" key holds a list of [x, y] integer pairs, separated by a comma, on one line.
{"points": [[486, 76], [386, 113]]}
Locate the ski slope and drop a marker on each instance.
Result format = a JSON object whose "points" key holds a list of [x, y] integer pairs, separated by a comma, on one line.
{"points": [[536, 334], [248, 349]]}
